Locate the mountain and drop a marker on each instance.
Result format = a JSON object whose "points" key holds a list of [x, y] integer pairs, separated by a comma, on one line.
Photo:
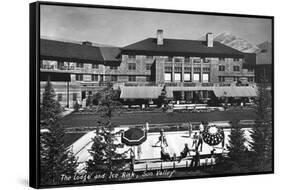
{"points": [[235, 42]]}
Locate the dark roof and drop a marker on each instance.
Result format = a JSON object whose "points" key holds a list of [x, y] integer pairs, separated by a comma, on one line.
{"points": [[179, 47], [52, 49], [111, 55]]}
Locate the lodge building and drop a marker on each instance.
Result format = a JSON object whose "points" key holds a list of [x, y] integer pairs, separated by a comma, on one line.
{"points": [[186, 68]]}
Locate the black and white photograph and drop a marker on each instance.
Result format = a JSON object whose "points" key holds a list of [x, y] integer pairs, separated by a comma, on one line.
{"points": [[138, 94]]}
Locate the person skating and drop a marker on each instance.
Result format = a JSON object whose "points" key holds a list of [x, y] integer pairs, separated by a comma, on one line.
{"points": [[195, 140], [162, 139], [200, 142]]}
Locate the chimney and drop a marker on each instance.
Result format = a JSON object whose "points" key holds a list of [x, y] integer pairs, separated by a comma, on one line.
{"points": [[87, 43], [210, 39], [159, 35]]}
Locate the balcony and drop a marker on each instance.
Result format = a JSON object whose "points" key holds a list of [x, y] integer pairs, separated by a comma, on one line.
{"points": [[70, 70]]}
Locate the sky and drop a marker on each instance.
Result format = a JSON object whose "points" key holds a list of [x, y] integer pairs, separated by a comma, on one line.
{"points": [[124, 27]]}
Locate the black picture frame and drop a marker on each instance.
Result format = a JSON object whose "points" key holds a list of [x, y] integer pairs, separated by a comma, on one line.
{"points": [[34, 83]]}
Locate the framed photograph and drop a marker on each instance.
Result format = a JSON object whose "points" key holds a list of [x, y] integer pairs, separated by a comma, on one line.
{"points": [[122, 94]]}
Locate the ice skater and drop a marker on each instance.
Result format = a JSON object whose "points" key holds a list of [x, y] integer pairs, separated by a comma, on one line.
{"points": [[195, 140], [162, 139]]}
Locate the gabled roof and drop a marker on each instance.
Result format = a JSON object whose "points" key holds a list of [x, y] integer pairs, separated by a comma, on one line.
{"points": [[180, 47], [67, 51], [111, 55]]}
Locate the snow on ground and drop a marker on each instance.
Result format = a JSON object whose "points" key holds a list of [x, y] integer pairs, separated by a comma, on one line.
{"points": [[176, 141]]}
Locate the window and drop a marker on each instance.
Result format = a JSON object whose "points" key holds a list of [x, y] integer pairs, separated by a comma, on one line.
{"points": [[222, 59], [95, 77], [132, 78], [113, 67], [74, 97], [206, 60], [149, 57], [168, 77], [178, 59], [148, 67], [236, 68], [197, 69], [206, 77], [187, 59], [196, 77], [187, 77], [177, 77], [132, 56], [114, 78], [221, 79], [61, 65], [197, 60], [206, 69], [251, 70], [178, 69], [235, 78], [235, 59], [59, 97], [131, 66], [71, 66], [187, 69], [79, 65], [79, 77], [168, 69], [95, 66], [147, 78], [170, 58], [221, 68]]}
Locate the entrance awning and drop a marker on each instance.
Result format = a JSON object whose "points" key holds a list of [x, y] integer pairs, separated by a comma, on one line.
{"points": [[219, 91], [140, 92], [172, 89], [234, 91]]}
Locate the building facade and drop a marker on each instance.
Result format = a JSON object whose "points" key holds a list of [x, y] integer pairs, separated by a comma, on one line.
{"points": [[185, 67]]}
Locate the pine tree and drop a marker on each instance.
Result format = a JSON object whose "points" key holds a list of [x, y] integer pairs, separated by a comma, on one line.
{"points": [[50, 108], [104, 157], [54, 158], [238, 154], [70, 165], [262, 132]]}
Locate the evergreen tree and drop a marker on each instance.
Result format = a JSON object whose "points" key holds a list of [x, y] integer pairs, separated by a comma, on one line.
{"points": [[104, 157], [238, 152], [55, 160], [262, 132], [50, 108], [70, 165]]}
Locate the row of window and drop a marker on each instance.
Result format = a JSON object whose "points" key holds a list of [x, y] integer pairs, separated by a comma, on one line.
{"points": [[187, 59], [187, 77], [235, 68], [63, 65], [74, 97], [222, 79], [186, 69], [131, 78]]}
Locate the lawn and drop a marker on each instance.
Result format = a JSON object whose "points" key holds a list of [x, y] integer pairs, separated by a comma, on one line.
{"points": [[87, 120]]}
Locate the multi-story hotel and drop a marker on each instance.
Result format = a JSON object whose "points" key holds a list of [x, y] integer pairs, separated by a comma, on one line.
{"points": [[187, 68]]}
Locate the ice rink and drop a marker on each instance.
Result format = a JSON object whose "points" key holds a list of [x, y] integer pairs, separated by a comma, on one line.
{"points": [[148, 150]]}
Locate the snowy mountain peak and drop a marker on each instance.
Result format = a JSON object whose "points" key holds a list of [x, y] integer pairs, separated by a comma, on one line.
{"points": [[234, 42]]}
